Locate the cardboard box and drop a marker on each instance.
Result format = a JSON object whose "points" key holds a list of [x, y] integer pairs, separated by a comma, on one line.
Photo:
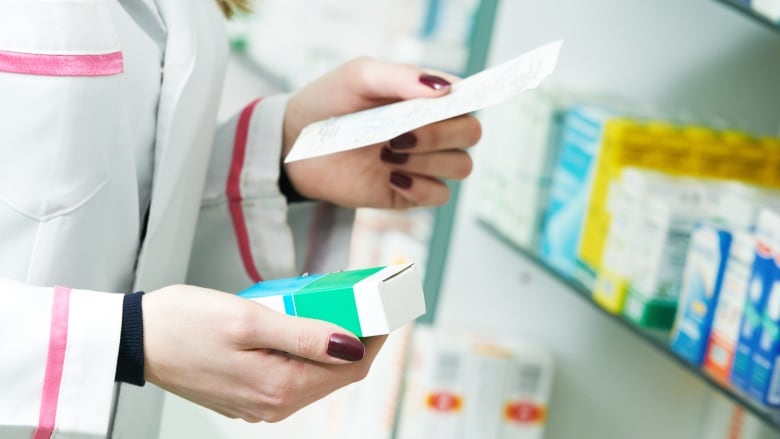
{"points": [[765, 372], [764, 381], [762, 278], [731, 301], [572, 176], [470, 386], [705, 269], [371, 301]]}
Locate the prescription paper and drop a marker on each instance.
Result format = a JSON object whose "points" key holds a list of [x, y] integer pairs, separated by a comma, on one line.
{"points": [[380, 124]]}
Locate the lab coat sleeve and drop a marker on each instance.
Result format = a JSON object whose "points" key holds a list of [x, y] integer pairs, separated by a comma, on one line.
{"points": [[246, 230], [58, 351]]}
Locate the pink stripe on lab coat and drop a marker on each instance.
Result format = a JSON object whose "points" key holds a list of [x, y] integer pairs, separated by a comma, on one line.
{"points": [[58, 340], [62, 65]]}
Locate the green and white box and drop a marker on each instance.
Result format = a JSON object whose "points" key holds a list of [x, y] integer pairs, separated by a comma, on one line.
{"points": [[370, 301]]}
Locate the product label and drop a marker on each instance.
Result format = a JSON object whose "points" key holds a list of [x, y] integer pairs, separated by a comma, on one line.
{"points": [[773, 396]]}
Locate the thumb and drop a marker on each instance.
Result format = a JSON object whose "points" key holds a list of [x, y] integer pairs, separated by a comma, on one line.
{"points": [[374, 79], [312, 339]]}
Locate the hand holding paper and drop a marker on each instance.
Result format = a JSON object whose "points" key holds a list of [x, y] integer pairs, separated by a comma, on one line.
{"points": [[380, 124]]}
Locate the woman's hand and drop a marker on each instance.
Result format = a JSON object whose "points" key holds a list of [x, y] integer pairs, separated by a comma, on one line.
{"points": [[242, 359], [405, 172]]}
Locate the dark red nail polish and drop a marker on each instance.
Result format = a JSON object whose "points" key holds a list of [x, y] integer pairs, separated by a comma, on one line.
{"points": [[344, 347], [404, 141], [400, 180], [396, 158], [434, 82]]}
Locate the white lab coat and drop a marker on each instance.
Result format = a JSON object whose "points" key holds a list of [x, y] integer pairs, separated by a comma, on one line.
{"points": [[73, 199]]}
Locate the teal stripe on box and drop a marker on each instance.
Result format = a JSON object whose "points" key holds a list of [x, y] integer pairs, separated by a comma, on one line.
{"points": [[332, 298], [278, 287], [289, 306]]}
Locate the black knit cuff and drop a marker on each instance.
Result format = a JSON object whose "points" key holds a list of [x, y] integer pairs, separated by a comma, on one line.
{"points": [[287, 189], [130, 361]]}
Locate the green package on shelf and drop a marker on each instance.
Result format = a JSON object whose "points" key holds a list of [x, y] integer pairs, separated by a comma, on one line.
{"points": [[370, 301], [650, 312]]}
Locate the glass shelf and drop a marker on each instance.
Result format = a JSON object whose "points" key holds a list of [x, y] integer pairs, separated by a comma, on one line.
{"points": [[658, 340], [749, 12]]}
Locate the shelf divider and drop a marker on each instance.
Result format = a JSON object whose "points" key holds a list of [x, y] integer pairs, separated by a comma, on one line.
{"points": [[751, 13]]}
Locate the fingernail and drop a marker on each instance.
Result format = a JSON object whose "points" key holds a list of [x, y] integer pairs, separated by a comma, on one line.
{"points": [[397, 158], [344, 347], [434, 82], [400, 180], [404, 141]]}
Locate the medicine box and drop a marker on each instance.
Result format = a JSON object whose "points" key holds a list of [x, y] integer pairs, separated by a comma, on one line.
{"points": [[570, 189], [762, 278], [764, 381], [705, 267], [728, 311], [640, 205], [765, 372], [470, 386], [524, 141], [370, 301], [660, 253]]}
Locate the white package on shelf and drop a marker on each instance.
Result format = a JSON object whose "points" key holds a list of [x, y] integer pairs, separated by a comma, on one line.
{"points": [[516, 179], [468, 387]]}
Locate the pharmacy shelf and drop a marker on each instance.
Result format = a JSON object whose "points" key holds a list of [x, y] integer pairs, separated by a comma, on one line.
{"points": [[751, 13], [653, 339]]}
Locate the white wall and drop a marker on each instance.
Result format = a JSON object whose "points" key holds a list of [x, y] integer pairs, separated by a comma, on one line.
{"points": [[692, 53]]}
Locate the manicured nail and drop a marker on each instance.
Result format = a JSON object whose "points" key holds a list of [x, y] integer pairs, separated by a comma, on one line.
{"points": [[400, 180], [396, 158], [404, 141], [344, 347], [434, 82]]}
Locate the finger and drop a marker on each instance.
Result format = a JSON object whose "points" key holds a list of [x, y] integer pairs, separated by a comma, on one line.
{"points": [[338, 375], [376, 79], [454, 164], [312, 339], [457, 133], [373, 345], [415, 190], [321, 380]]}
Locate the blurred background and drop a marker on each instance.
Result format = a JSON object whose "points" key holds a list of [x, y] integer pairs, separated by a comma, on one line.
{"points": [[609, 270]]}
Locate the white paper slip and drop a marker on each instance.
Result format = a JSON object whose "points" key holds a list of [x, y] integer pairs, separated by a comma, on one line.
{"points": [[484, 89]]}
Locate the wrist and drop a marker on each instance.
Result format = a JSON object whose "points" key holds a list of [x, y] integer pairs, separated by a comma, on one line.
{"points": [[287, 188], [291, 128]]}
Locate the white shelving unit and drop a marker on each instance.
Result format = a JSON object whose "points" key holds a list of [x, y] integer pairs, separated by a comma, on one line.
{"points": [[693, 55]]}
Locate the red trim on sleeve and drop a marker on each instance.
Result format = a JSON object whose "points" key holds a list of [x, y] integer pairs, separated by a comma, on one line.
{"points": [[106, 64], [58, 341], [233, 192]]}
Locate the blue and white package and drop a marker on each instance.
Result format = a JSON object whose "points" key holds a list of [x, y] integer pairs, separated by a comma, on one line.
{"points": [[765, 372], [570, 189], [702, 279], [762, 278]]}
